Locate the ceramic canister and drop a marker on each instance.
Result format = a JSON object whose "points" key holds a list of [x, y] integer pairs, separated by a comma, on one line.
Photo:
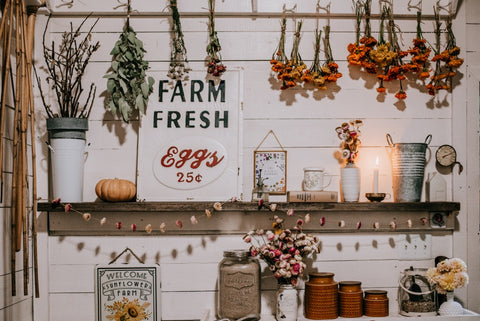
{"points": [[375, 303], [350, 299], [321, 296]]}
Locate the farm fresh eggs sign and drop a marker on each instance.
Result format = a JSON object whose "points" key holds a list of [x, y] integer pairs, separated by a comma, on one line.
{"points": [[189, 139]]}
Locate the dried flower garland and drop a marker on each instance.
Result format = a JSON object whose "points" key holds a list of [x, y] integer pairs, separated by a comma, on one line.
{"points": [[178, 56], [349, 134], [447, 61], [279, 58], [448, 275], [215, 67]]}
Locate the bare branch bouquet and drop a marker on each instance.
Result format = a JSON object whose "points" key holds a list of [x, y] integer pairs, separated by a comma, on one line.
{"points": [[66, 67]]}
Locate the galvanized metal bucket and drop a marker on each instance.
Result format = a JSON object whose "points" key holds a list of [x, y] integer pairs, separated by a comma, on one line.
{"points": [[408, 169]]}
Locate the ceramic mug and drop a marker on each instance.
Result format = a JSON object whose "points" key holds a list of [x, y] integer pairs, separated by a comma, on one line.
{"points": [[313, 179]]}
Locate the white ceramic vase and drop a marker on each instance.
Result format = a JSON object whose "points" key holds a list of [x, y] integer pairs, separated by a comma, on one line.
{"points": [[287, 303], [450, 307], [350, 182]]}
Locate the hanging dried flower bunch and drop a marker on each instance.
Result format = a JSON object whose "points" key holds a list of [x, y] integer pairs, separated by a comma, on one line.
{"points": [[360, 50], [214, 60], [279, 60], [330, 67], [314, 73], [420, 52], [178, 55], [394, 69], [447, 61], [296, 67]]}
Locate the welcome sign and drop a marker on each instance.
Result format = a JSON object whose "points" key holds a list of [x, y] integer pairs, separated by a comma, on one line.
{"points": [[190, 139], [127, 292]]}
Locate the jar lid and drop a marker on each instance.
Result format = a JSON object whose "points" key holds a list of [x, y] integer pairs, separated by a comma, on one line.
{"points": [[236, 253], [376, 294], [314, 169]]}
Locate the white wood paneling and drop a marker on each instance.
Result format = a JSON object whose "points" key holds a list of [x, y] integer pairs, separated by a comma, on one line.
{"points": [[303, 119]]}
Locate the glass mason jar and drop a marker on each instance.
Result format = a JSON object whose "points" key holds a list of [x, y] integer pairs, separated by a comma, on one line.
{"points": [[238, 286]]}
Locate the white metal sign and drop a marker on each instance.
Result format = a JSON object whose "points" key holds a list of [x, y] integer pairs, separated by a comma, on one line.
{"points": [[127, 292], [190, 139]]}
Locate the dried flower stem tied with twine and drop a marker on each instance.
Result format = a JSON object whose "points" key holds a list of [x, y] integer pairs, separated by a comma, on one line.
{"points": [[215, 67], [66, 68], [178, 55]]}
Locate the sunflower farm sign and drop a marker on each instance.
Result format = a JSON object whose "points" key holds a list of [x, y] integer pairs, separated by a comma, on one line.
{"points": [[190, 139], [127, 292]]}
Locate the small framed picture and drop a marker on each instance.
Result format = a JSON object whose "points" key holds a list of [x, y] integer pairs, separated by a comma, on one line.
{"points": [[271, 169]]}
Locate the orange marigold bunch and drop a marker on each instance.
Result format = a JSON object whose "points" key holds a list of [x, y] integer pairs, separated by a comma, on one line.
{"points": [[295, 67], [420, 53], [446, 62], [279, 61], [314, 73], [359, 51], [330, 67]]}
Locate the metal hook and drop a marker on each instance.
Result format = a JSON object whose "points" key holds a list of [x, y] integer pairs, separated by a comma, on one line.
{"points": [[69, 4], [417, 6]]}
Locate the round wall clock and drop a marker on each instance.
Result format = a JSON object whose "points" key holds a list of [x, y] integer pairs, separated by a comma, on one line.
{"points": [[446, 156]]}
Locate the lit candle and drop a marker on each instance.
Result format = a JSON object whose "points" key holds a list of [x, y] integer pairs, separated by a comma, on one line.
{"points": [[375, 177]]}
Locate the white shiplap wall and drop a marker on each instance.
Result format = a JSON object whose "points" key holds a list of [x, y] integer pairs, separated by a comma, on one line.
{"points": [[304, 122]]}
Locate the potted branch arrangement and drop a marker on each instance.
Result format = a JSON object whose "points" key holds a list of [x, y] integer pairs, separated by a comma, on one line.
{"points": [[67, 115]]}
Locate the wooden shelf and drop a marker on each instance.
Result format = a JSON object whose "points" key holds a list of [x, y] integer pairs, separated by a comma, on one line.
{"points": [[241, 217]]}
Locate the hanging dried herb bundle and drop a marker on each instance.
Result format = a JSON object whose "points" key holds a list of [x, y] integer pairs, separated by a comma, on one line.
{"points": [[214, 59], [178, 55], [127, 86], [447, 61], [66, 67], [314, 74]]}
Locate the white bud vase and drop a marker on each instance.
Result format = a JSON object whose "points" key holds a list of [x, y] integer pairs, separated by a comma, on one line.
{"points": [[287, 304], [350, 182], [450, 307]]}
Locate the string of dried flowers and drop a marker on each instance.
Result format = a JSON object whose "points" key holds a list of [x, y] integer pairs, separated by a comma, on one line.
{"points": [[178, 55], [279, 59], [447, 61], [215, 67], [420, 52]]}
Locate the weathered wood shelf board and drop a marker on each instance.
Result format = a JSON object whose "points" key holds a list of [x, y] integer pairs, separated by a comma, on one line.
{"points": [[241, 217]]}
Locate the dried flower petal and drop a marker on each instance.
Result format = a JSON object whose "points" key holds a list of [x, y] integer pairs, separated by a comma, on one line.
{"points": [[133, 227], [217, 206], [148, 228], [424, 220], [163, 227], [56, 201], [290, 212], [193, 219], [86, 216], [341, 223], [247, 238], [103, 221], [179, 223], [208, 213], [273, 207], [307, 218], [409, 223], [393, 225], [68, 207], [322, 221], [376, 225], [359, 225], [118, 225]]}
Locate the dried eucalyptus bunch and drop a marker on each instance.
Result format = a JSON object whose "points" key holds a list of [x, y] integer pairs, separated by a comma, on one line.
{"points": [[65, 68], [127, 86]]}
